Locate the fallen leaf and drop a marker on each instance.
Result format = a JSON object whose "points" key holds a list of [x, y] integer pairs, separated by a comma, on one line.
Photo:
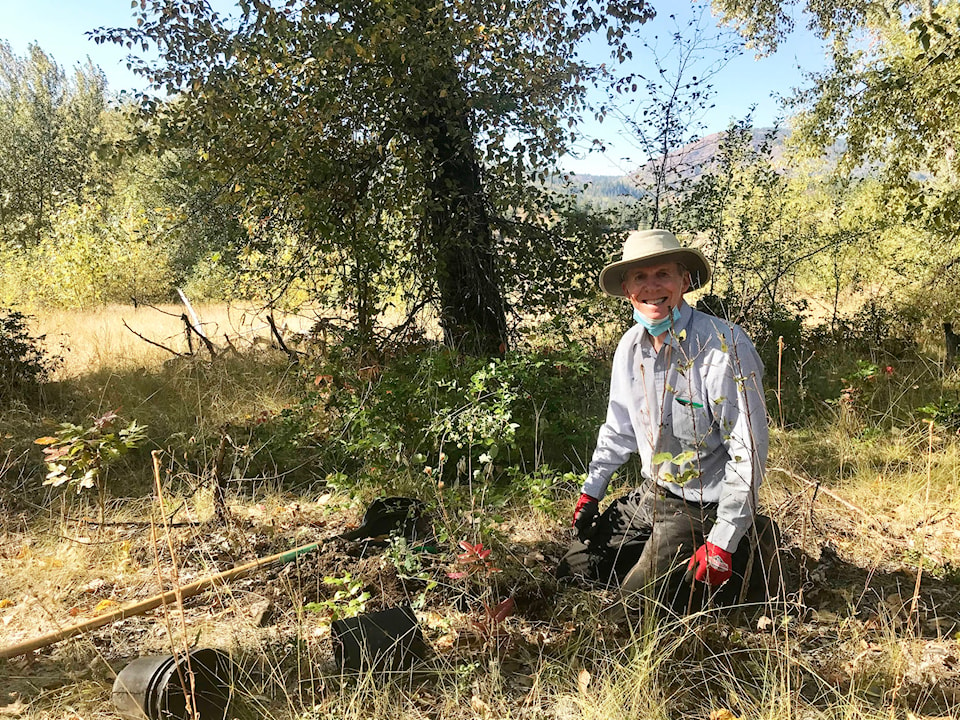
{"points": [[479, 706], [14, 709], [583, 681], [74, 611], [722, 714], [94, 585], [103, 605], [6, 602], [446, 642]]}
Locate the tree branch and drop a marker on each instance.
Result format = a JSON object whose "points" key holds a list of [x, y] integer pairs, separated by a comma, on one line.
{"points": [[151, 342]]}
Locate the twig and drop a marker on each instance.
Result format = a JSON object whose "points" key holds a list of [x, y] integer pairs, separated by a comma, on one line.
{"points": [[219, 489], [231, 346], [292, 354], [177, 587], [141, 523], [151, 342], [780, 377], [188, 331], [933, 519], [206, 341], [820, 488], [133, 523], [926, 502], [398, 330], [137, 301]]}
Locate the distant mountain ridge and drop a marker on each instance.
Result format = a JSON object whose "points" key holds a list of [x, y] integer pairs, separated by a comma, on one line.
{"points": [[684, 164], [694, 159]]}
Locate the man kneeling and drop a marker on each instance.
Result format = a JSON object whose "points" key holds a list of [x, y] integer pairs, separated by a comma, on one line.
{"points": [[686, 396]]}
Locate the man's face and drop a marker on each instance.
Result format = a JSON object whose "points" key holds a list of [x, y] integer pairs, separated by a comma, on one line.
{"points": [[656, 289]]}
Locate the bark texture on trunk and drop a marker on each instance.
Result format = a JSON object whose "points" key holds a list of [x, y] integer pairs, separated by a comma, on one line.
{"points": [[472, 310]]}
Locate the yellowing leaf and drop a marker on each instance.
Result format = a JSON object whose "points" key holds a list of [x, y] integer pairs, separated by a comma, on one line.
{"points": [[722, 714], [103, 605], [6, 602], [46, 440]]}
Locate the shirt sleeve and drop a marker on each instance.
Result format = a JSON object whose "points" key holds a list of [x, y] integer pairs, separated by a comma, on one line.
{"points": [[616, 439], [742, 416]]}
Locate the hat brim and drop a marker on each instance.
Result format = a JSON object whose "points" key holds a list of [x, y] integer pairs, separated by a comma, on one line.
{"points": [[611, 277]]}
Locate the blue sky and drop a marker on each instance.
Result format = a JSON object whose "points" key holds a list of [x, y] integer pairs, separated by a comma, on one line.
{"points": [[59, 27]]}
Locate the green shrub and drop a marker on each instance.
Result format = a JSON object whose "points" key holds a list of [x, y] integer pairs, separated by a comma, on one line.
{"points": [[24, 365], [457, 418], [89, 257]]}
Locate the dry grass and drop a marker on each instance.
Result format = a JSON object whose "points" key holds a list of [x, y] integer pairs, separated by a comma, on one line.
{"points": [[97, 340], [860, 649]]}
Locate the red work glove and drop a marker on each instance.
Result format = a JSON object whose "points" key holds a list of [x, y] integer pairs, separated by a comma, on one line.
{"points": [[711, 564], [584, 514]]}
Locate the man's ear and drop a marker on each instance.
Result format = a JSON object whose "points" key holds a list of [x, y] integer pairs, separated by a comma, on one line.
{"points": [[687, 281]]}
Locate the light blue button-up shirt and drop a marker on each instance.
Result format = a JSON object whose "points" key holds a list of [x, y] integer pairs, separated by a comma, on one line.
{"points": [[695, 414]]}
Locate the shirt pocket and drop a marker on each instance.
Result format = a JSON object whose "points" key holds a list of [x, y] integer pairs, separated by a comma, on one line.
{"points": [[691, 422]]}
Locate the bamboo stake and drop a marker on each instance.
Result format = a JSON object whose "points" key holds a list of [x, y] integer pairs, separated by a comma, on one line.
{"points": [[138, 608], [915, 600]]}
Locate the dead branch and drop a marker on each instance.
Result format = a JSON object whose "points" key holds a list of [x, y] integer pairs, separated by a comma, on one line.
{"points": [[188, 331], [292, 354], [151, 342], [138, 302], [211, 348], [820, 488], [219, 483], [230, 346]]}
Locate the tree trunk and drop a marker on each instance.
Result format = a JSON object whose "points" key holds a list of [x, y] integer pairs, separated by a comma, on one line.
{"points": [[472, 311]]}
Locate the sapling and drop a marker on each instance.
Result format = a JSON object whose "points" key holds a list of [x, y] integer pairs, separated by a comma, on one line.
{"points": [[80, 457], [476, 564]]}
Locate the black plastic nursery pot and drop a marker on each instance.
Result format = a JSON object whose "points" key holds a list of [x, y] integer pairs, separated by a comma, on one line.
{"points": [[199, 685], [381, 641]]}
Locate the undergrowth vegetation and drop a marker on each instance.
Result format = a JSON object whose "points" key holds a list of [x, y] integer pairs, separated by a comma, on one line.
{"points": [[251, 454]]}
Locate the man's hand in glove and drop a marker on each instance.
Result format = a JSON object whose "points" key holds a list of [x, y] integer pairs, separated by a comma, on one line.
{"points": [[710, 564], [584, 515]]}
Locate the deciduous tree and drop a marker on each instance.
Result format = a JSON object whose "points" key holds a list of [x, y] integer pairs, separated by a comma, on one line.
{"points": [[50, 129], [394, 140]]}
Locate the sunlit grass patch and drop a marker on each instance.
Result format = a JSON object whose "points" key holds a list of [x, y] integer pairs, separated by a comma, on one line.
{"points": [[105, 338]]}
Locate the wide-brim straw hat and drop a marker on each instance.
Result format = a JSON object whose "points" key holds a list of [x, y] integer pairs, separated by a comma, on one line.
{"points": [[646, 246]]}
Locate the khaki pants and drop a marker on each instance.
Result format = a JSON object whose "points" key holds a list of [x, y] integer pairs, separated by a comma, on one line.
{"points": [[644, 540]]}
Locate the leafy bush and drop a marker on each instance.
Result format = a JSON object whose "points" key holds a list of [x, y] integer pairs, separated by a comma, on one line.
{"points": [[943, 411], [79, 456], [524, 422], [469, 418], [91, 256], [23, 363]]}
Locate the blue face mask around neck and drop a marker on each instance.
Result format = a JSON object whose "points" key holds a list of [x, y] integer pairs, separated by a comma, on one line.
{"points": [[656, 329]]}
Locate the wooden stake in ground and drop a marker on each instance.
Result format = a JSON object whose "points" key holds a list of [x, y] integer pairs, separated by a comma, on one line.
{"points": [[914, 601]]}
